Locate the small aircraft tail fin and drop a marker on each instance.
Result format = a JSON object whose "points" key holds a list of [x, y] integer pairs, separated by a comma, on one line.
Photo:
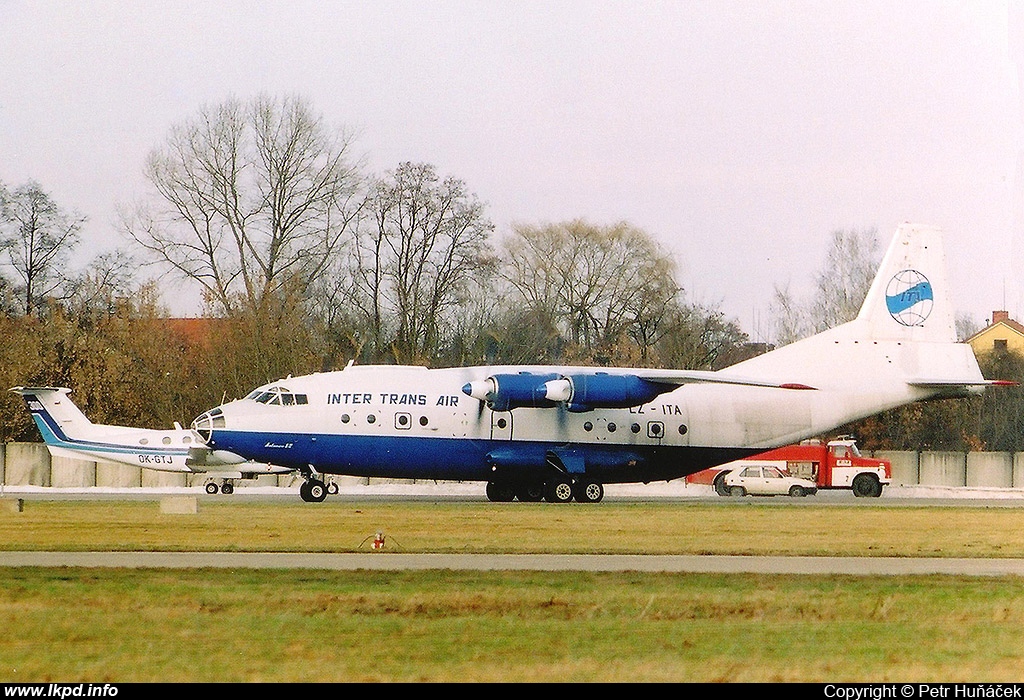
{"points": [[56, 415], [909, 298]]}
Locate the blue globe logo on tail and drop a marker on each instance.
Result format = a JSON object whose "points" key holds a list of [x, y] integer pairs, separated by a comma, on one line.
{"points": [[909, 298]]}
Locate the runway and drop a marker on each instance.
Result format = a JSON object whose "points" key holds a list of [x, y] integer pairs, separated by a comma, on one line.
{"points": [[381, 561]]}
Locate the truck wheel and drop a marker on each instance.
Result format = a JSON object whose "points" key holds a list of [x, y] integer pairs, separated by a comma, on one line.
{"points": [[737, 491], [866, 486]]}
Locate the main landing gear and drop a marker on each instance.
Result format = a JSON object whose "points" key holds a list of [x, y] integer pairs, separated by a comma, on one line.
{"points": [[560, 489]]}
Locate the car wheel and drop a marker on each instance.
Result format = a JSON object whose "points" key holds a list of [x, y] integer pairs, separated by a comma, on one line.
{"points": [[720, 488], [737, 491], [796, 491]]}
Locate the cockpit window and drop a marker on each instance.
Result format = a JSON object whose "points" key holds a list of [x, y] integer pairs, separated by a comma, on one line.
{"points": [[278, 396]]}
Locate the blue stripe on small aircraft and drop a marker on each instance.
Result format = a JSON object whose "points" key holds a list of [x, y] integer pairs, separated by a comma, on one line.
{"points": [[898, 303], [54, 435]]}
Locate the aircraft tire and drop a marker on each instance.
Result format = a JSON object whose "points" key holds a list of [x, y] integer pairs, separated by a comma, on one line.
{"points": [[558, 490], [588, 492], [313, 491], [227, 489], [317, 490], [211, 488], [530, 493], [500, 493], [332, 489]]}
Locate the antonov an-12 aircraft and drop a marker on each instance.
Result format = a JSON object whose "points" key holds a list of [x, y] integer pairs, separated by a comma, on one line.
{"points": [[67, 432], [562, 433]]}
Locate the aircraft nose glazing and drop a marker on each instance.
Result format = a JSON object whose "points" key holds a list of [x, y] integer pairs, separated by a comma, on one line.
{"points": [[205, 424]]}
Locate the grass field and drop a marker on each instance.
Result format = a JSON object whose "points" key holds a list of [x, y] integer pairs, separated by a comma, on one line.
{"points": [[92, 625], [744, 528]]}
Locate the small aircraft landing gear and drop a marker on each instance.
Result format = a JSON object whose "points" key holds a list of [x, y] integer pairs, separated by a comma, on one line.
{"points": [[227, 488], [313, 490]]}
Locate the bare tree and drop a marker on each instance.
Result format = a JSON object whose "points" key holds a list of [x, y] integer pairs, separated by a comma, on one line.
{"points": [[600, 284], [839, 287], [249, 200], [413, 266], [36, 237]]}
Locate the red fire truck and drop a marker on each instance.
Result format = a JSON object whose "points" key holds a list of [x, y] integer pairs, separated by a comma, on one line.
{"points": [[835, 465]]}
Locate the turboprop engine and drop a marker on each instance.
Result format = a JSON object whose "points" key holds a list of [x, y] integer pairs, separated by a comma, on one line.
{"points": [[577, 392]]}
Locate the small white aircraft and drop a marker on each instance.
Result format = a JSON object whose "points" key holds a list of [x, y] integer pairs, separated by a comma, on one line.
{"points": [[67, 432], [561, 433]]}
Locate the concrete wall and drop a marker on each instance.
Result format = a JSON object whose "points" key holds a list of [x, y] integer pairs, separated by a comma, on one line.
{"points": [[69, 473], [30, 464], [943, 469], [905, 466], [26, 464], [990, 469]]}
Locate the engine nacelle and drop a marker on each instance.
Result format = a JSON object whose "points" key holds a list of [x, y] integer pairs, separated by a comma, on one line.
{"points": [[602, 390], [503, 392]]}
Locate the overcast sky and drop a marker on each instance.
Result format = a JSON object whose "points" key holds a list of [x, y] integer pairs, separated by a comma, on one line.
{"points": [[739, 134]]}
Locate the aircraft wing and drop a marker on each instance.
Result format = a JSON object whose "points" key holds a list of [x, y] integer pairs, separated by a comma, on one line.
{"points": [[584, 389], [695, 376]]}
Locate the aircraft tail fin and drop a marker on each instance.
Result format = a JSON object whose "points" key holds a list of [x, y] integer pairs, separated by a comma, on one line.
{"points": [[909, 298], [904, 333], [54, 413]]}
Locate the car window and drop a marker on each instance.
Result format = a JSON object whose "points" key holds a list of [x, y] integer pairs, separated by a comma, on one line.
{"points": [[772, 473], [751, 471]]}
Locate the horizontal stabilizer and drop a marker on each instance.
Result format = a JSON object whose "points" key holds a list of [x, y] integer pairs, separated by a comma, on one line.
{"points": [[948, 383]]}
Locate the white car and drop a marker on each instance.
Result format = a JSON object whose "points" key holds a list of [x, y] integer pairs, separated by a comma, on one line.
{"points": [[766, 480]]}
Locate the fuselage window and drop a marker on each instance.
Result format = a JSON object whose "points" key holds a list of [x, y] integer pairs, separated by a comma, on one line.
{"points": [[345, 418], [682, 429], [186, 439], [611, 427], [423, 421], [144, 441], [635, 427], [371, 418], [588, 426], [166, 441]]}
